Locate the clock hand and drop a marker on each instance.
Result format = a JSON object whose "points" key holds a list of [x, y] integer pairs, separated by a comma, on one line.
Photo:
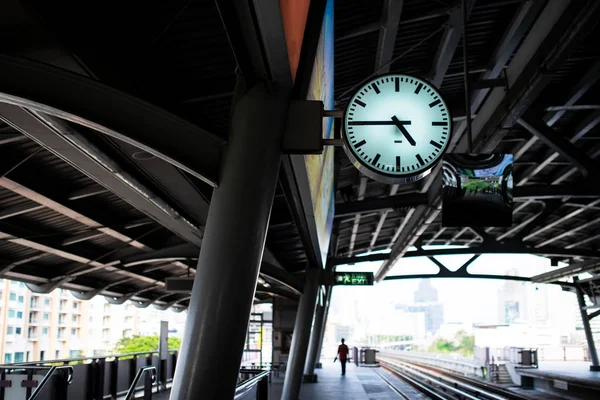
{"points": [[400, 125], [351, 123]]}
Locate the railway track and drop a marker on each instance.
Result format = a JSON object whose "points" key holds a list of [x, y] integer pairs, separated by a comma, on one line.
{"points": [[440, 385]]}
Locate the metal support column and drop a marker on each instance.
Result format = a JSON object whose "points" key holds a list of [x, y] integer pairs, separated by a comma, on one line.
{"points": [[586, 327], [315, 341], [232, 249], [322, 337], [301, 336]]}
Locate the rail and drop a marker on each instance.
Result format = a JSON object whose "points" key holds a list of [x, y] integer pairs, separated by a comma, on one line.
{"points": [[149, 373], [443, 382], [438, 383]]}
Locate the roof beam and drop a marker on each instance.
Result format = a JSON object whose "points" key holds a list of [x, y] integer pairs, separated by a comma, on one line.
{"points": [[388, 30], [567, 272], [559, 221], [50, 203], [580, 88], [61, 139], [583, 189], [558, 143], [269, 266], [58, 92], [11, 138], [523, 19], [506, 248], [556, 33], [380, 204], [87, 264], [448, 44], [581, 130], [19, 210], [375, 26], [87, 192]]}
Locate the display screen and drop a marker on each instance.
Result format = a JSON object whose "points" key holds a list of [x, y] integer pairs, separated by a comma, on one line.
{"points": [[477, 190], [353, 278]]}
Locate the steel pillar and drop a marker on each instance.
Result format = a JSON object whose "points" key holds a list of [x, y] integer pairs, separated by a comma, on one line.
{"points": [[589, 336], [315, 340], [232, 249], [320, 346], [301, 336]]}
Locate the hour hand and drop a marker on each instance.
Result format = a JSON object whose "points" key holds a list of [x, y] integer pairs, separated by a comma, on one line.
{"points": [[400, 125]]}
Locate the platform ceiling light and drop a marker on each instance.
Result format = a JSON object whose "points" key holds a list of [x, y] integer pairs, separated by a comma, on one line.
{"points": [[396, 128]]}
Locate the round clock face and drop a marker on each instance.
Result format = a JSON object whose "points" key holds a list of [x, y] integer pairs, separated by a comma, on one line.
{"points": [[397, 127]]}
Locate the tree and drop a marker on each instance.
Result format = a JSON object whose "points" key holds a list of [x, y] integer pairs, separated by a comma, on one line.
{"points": [[137, 344], [461, 343]]}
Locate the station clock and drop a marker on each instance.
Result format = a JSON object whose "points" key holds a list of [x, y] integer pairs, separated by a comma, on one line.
{"points": [[396, 128]]}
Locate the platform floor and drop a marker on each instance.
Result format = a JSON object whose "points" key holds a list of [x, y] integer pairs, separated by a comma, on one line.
{"points": [[575, 371], [359, 383]]}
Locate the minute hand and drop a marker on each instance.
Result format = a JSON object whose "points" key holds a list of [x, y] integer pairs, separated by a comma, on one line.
{"points": [[400, 125]]}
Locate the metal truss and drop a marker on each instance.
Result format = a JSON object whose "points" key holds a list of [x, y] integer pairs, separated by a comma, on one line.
{"points": [[485, 248], [57, 92]]}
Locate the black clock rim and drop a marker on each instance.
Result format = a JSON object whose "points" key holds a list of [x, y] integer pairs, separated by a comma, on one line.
{"points": [[384, 174]]}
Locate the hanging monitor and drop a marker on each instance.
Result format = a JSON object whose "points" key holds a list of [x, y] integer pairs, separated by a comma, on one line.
{"points": [[477, 190]]}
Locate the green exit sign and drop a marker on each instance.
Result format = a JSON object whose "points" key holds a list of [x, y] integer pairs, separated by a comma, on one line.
{"points": [[353, 278]]}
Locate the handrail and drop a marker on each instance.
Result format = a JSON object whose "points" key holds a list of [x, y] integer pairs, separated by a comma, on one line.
{"points": [[138, 376], [45, 379], [252, 381], [65, 360]]}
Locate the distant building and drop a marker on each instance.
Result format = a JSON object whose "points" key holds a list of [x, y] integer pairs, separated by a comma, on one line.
{"points": [[35, 327], [426, 302]]}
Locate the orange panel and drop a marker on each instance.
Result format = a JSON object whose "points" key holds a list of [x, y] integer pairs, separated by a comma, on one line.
{"points": [[294, 14]]}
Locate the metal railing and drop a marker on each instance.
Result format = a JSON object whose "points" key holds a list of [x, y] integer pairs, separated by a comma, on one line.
{"points": [[106, 377], [119, 376], [149, 374], [28, 385], [255, 386]]}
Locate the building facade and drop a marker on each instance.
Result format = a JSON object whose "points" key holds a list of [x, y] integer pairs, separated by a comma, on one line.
{"points": [[36, 327]]}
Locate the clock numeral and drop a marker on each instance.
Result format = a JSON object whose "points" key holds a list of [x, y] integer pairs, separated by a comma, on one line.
{"points": [[418, 89], [435, 103], [435, 144], [375, 88], [377, 157], [420, 159], [361, 143], [397, 84], [360, 103], [397, 163], [441, 123]]}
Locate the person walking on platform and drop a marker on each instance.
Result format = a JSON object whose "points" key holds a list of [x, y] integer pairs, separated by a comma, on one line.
{"points": [[342, 355]]}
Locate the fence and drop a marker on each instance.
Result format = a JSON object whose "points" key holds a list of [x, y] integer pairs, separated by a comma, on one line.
{"points": [[544, 353], [109, 377], [454, 363]]}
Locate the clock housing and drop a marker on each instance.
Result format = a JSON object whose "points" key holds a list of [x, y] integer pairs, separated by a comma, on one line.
{"points": [[396, 129]]}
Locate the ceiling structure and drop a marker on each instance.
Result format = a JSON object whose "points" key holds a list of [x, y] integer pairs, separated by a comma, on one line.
{"points": [[94, 196]]}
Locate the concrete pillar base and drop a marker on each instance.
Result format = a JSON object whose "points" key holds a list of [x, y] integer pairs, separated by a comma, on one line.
{"points": [[310, 378]]}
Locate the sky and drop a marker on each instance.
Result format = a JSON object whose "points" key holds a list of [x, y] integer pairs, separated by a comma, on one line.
{"points": [[465, 300]]}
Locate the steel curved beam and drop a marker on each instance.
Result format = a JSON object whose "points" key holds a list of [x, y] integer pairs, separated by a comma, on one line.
{"points": [[127, 296], [163, 307], [498, 249], [57, 92]]}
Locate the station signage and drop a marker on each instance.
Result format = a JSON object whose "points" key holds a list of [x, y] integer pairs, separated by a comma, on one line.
{"points": [[353, 278]]}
